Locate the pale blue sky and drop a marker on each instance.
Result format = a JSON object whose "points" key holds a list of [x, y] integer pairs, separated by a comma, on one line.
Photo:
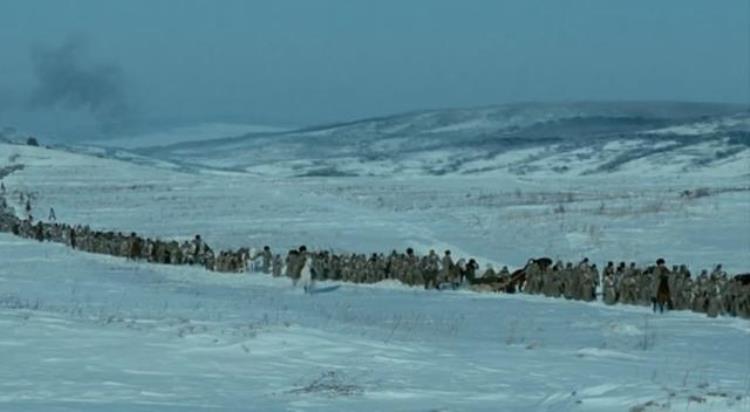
{"points": [[307, 62]]}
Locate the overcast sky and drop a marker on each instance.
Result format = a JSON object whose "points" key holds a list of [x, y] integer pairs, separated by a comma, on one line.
{"points": [[70, 65]]}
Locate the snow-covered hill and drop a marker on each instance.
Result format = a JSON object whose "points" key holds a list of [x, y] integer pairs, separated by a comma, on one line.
{"points": [[561, 139], [201, 132]]}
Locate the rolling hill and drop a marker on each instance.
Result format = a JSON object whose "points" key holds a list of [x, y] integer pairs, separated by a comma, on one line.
{"points": [[519, 139]]}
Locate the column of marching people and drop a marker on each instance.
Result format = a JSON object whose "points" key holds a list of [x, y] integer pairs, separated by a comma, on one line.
{"points": [[715, 293]]}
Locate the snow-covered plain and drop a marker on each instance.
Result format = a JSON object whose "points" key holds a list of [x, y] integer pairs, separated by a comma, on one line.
{"points": [[503, 219], [89, 332]]}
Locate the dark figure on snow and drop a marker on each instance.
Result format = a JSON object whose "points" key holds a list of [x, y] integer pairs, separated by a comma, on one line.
{"points": [[470, 273], [39, 232], [198, 249], [267, 259], [72, 236], [52, 216], [136, 246], [661, 276]]}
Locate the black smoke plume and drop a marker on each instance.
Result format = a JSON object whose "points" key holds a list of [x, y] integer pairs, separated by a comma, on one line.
{"points": [[67, 79]]}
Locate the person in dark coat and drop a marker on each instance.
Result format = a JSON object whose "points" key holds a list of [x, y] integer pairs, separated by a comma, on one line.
{"points": [[471, 271], [661, 277], [135, 246], [39, 232]]}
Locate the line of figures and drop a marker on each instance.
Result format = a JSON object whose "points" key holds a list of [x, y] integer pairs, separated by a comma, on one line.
{"points": [[714, 294], [657, 285], [132, 246]]}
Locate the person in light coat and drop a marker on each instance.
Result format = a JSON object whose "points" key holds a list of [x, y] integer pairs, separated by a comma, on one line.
{"points": [[306, 277]]}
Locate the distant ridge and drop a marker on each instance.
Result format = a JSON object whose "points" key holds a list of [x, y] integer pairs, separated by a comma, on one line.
{"points": [[577, 138]]}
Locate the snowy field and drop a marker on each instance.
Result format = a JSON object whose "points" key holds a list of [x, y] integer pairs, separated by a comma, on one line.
{"points": [[89, 332], [503, 219]]}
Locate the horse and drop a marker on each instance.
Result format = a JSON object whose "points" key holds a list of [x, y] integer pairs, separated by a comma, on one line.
{"points": [[518, 277]]}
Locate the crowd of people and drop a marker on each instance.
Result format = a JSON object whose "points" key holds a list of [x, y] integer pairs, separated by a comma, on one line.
{"points": [[131, 246], [657, 285], [714, 294]]}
